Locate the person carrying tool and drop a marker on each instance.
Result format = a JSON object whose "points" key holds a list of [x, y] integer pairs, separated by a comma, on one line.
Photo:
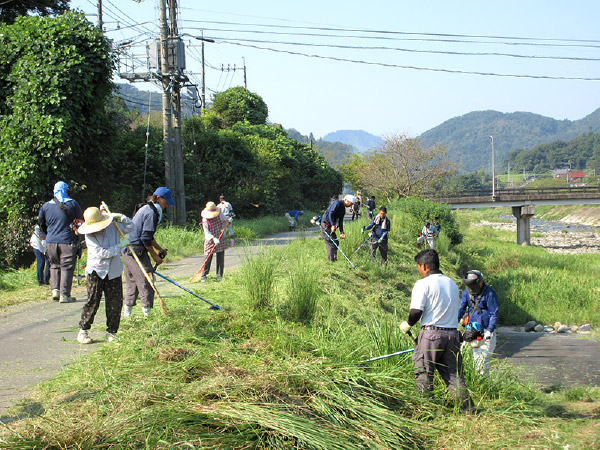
{"points": [[227, 211], [146, 219], [213, 225], [479, 305], [58, 219], [379, 236], [427, 234], [435, 302], [370, 204], [331, 221], [292, 217], [103, 270]]}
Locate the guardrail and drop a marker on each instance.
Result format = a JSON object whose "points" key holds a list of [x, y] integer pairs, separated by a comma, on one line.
{"points": [[517, 191]]}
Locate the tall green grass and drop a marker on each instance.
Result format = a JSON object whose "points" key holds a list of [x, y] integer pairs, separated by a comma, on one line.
{"points": [[258, 277]]}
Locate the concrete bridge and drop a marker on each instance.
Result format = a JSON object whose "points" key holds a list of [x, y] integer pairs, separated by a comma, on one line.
{"points": [[523, 202]]}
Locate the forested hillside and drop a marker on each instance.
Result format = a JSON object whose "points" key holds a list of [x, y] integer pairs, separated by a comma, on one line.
{"points": [[580, 153], [335, 153], [468, 137]]}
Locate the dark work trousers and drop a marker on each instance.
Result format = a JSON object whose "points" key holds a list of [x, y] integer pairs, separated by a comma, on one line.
{"points": [[440, 350], [220, 264], [62, 259], [136, 281], [383, 250], [43, 267], [329, 244], [113, 299]]}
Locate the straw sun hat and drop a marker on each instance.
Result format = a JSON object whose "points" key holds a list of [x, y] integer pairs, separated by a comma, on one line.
{"points": [[211, 211], [94, 221]]}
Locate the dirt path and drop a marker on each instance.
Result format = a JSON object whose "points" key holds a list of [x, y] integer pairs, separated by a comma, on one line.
{"points": [[37, 339]]}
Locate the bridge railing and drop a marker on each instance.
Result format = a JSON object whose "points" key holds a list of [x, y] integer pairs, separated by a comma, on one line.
{"points": [[516, 191]]}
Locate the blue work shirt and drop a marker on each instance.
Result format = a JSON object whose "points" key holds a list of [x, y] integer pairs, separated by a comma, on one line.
{"points": [[295, 214], [57, 223], [488, 304], [334, 215], [145, 222], [381, 228]]}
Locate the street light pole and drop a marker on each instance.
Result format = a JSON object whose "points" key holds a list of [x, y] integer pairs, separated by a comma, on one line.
{"points": [[493, 169]]}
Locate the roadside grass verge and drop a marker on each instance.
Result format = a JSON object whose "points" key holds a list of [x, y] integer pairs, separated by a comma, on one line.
{"points": [[275, 377]]}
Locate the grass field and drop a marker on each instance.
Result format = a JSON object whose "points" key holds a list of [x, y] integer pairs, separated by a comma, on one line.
{"points": [[279, 367]]}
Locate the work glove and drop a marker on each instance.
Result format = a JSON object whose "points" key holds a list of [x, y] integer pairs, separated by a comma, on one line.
{"points": [[124, 243], [333, 228], [216, 241], [404, 327], [117, 217], [163, 253], [362, 230], [380, 240], [230, 220], [487, 335], [371, 234]]}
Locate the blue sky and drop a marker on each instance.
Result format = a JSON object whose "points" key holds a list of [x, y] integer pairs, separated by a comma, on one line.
{"points": [[319, 95]]}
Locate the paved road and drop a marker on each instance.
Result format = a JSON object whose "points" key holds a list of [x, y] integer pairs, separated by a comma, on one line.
{"points": [[37, 339], [551, 358]]}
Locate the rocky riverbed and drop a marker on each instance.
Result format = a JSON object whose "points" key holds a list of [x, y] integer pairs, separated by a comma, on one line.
{"points": [[557, 240]]}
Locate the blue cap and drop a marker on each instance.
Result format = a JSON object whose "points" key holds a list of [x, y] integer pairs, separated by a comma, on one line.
{"points": [[165, 193]]}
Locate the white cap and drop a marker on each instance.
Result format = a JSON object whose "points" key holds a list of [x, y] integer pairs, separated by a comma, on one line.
{"points": [[350, 198]]}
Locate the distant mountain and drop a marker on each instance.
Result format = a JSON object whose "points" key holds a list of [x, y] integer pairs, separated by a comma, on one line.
{"points": [[335, 153], [360, 139], [468, 137], [135, 98]]}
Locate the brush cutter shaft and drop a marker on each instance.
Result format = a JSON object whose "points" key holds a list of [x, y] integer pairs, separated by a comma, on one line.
{"points": [[389, 356], [163, 306], [361, 245], [338, 247], [186, 290]]}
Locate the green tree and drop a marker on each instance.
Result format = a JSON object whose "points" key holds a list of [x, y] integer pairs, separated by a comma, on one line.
{"points": [[238, 104], [55, 78], [400, 168], [10, 10]]}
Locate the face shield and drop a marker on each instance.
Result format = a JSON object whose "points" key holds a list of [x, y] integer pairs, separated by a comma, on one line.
{"points": [[473, 281]]}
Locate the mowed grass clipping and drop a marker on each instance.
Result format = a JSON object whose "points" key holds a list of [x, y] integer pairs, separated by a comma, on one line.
{"points": [[284, 371]]}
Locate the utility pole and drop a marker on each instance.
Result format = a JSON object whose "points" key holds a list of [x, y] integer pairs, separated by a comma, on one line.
{"points": [[100, 24], [203, 76], [245, 80], [166, 100], [180, 210], [493, 169]]}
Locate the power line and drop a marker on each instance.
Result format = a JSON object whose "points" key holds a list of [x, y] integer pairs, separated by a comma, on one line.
{"points": [[429, 69], [403, 33], [437, 52]]}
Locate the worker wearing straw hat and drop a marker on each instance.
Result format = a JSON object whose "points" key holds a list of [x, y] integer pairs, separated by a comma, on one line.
{"points": [[103, 270], [214, 223]]}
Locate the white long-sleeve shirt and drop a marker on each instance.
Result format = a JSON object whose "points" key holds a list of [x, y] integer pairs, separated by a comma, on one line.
{"points": [[104, 254]]}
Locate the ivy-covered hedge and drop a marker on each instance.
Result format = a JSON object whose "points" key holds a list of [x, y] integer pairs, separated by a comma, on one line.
{"points": [[55, 76]]}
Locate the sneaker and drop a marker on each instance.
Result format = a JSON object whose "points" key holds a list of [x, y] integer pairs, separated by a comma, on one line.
{"points": [[66, 299], [111, 337], [127, 310], [146, 310], [83, 337], [55, 294], [203, 280], [231, 242]]}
